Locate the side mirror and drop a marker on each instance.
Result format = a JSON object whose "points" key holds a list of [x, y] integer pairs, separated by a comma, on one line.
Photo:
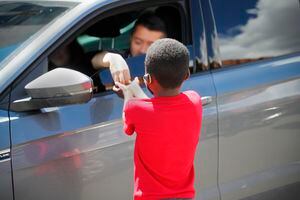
{"points": [[58, 87]]}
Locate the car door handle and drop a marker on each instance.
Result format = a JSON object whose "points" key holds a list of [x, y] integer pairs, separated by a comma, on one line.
{"points": [[206, 100]]}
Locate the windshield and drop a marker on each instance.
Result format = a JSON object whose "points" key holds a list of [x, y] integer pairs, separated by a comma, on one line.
{"points": [[21, 20]]}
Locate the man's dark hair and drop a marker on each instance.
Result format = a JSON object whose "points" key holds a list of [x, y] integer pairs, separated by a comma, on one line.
{"points": [[151, 22], [168, 61]]}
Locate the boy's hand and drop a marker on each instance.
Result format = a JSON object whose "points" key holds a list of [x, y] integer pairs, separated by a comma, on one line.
{"points": [[127, 94], [136, 90], [118, 91]]}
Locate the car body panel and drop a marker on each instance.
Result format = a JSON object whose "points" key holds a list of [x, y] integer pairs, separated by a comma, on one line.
{"points": [[206, 159], [72, 152], [6, 189], [259, 114]]}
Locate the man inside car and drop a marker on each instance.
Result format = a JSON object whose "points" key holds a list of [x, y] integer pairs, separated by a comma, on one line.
{"points": [[147, 29]]}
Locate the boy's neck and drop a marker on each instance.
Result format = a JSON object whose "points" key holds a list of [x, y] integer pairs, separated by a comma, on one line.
{"points": [[167, 92]]}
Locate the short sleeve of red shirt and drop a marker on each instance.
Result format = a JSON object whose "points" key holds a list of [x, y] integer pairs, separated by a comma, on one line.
{"points": [[128, 121]]}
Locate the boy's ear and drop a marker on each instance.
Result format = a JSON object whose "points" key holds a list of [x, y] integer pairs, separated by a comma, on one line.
{"points": [[147, 79], [187, 75]]}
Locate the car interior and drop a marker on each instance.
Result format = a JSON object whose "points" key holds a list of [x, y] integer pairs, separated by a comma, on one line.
{"points": [[112, 33]]}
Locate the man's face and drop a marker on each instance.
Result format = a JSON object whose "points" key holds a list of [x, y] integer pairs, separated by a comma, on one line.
{"points": [[142, 38]]}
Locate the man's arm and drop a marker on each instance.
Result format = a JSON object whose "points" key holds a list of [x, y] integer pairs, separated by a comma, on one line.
{"points": [[98, 62], [116, 64]]}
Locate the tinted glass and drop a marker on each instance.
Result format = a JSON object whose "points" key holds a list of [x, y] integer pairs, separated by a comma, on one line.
{"points": [[250, 30], [21, 20], [93, 43]]}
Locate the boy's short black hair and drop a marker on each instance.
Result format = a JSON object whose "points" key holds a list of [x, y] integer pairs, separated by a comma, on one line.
{"points": [[168, 61], [151, 21]]}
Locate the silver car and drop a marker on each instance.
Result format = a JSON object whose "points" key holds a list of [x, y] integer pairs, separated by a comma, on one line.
{"points": [[61, 136]]}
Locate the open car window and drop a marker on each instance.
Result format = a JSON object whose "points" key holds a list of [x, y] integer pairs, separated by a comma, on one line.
{"points": [[113, 34]]}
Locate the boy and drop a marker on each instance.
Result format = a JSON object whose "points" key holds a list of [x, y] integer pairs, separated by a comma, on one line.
{"points": [[167, 125]]}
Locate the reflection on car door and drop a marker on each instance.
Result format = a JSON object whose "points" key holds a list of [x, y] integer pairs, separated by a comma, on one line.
{"points": [[259, 114], [72, 152]]}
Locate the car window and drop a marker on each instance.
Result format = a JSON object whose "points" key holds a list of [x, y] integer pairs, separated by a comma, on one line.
{"points": [[19, 21], [256, 29], [111, 34]]}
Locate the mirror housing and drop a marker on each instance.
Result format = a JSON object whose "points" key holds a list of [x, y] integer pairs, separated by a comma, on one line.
{"points": [[58, 87]]}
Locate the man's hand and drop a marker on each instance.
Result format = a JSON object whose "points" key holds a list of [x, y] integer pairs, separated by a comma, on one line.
{"points": [[116, 64], [118, 68]]}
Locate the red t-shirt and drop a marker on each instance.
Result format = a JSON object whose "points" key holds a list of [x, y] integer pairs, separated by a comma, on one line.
{"points": [[167, 133]]}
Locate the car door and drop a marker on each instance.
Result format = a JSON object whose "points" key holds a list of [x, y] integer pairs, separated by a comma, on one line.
{"points": [[6, 190], [71, 152], [258, 101], [200, 81]]}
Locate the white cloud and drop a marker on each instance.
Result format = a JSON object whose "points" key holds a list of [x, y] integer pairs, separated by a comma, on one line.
{"points": [[274, 30]]}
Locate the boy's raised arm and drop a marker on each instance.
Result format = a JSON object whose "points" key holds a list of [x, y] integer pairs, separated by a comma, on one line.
{"points": [[136, 89], [128, 127], [126, 92]]}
